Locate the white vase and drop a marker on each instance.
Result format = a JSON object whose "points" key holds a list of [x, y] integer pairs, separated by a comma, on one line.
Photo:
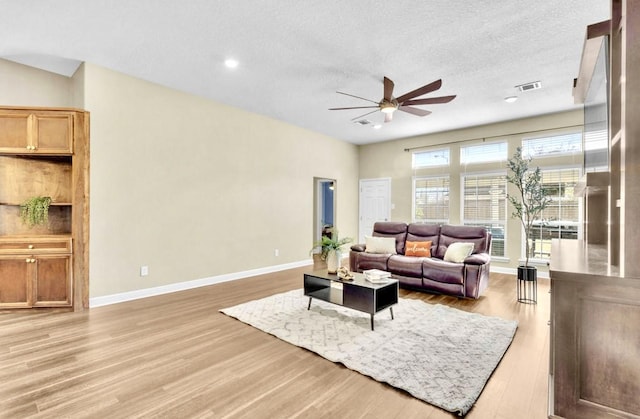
{"points": [[333, 261]]}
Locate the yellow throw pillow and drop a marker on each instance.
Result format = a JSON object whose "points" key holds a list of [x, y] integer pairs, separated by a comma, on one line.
{"points": [[418, 249]]}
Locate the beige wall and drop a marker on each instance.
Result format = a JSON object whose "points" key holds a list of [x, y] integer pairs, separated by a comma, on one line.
{"points": [[191, 188], [389, 159], [195, 189], [21, 85]]}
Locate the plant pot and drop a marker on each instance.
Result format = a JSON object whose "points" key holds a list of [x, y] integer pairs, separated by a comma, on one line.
{"points": [[527, 284], [333, 261], [527, 273]]}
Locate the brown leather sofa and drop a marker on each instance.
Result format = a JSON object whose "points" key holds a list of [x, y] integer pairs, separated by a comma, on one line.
{"points": [[468, 278]]}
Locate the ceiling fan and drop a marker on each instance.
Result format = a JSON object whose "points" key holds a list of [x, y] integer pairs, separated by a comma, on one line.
{"points": [[404, 103]]}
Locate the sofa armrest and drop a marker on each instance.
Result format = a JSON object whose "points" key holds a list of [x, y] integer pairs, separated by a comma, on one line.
{"points": [[478, 259], [358, 247]]}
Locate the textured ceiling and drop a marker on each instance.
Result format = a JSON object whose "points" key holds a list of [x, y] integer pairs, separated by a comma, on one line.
{"points": [[295, 54]]}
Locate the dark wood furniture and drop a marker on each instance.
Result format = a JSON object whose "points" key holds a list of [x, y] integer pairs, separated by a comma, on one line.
{"points": [[595, 284], [358, 294], [594, 366]]}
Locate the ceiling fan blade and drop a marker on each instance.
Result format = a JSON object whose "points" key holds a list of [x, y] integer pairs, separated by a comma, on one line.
{"points": [[355, 107], [388, 89], [428, 88], [429, 101], [414, 111], [358, 97], [388, 117], [368, 113]]}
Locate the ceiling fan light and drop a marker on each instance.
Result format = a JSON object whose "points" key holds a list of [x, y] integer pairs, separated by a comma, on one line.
{"points": [[387, 108]]}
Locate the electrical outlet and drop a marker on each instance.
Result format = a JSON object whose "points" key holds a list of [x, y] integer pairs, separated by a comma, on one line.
{"points": [[276, 252], [144, 270]]}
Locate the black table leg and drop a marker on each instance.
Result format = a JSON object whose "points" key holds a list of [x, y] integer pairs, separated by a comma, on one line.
{"points": [[309, 306]]}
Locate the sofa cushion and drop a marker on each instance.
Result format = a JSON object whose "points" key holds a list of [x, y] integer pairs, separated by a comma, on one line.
{"points": [[472, 234], [424, 232], [380, 245], [405, 265], [458, 252], [392, 229], [441, 271], [422, 248], [363, 261]]}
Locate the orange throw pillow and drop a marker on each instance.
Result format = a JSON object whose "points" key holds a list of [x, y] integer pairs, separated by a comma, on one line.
{"points": [[418, 249]]}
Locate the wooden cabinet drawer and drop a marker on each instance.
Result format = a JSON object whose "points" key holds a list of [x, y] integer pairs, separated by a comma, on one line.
{"points": [[36, 132], [35, 245]]}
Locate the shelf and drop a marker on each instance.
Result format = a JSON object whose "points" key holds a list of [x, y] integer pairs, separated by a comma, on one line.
{"points": [[53, 204], [11, 224]]}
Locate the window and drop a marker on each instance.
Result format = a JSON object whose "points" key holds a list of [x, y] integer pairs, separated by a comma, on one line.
{"points": [[561, 218], [485, 204], [431, 199], [557, 145], [596, 150], [483, 153], [433, 158]]}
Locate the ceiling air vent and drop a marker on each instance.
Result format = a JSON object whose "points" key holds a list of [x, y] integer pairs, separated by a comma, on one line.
{"points": [[534, 85], [362, 122]]}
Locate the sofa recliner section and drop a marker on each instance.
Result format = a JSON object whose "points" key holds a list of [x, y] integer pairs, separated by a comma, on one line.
{"points": [[467, 279]]}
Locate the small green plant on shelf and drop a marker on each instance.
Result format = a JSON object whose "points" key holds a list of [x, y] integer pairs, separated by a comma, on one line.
{"points": [[35, 211]]}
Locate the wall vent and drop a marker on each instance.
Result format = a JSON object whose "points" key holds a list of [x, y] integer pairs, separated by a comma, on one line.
{"points": [[534, 85]]}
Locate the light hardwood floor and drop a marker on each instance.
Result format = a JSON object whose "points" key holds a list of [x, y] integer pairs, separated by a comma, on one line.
{"points": [[176, 356]]}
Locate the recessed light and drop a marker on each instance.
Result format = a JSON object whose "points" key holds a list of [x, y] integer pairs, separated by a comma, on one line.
{"points": [[510, 99], [377, 126], [231, 63]]}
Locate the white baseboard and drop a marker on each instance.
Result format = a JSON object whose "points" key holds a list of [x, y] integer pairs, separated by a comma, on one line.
{"points": [[196, 283]]}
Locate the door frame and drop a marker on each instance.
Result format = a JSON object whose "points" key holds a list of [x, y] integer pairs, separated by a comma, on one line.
{"points": [[318, 205]]}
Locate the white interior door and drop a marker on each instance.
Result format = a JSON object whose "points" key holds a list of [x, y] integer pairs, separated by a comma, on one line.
{"points": [[375, 204]]}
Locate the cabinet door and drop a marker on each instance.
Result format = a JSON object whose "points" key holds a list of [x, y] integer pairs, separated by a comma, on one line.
{"points": [[15, 282], [15, 131], [36, 132], [53, 281], [52, 133]]}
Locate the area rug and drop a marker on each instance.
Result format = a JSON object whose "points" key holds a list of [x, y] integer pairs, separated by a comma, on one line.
{"points": [[438, 354]]}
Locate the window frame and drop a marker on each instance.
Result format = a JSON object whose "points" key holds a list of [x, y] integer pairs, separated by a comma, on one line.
{"points": [[579, 231], [504, 143], [487, 223], [446, 159], [414, 179], [525, 148]]}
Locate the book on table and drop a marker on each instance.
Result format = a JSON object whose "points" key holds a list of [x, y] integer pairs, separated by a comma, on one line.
{"points": [[376, 275]]}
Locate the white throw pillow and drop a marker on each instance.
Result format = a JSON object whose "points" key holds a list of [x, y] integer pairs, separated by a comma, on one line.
{"points": [[458, 251], [380, 244]]}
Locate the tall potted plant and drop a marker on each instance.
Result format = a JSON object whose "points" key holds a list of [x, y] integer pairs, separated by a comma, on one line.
{"points": [[330, 247], [528, 203]]}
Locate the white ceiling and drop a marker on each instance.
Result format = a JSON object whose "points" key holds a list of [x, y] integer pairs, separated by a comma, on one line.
{"points": [[295, 54]]}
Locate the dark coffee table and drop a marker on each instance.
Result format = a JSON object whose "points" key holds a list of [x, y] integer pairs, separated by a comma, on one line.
{"points": [[358, 294]]}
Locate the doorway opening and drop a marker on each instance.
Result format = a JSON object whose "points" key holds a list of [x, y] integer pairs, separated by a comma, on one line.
{"points": [[324, 207]]}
